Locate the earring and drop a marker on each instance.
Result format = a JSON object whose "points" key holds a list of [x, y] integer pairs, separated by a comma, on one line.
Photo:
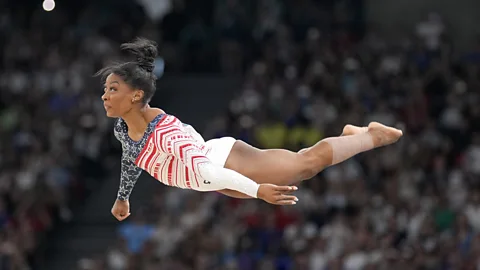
{"points": [[133, 100]]}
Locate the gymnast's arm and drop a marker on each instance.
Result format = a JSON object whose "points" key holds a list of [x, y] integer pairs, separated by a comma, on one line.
{"points": [[129, 172], [234, 194], [128, 178]]}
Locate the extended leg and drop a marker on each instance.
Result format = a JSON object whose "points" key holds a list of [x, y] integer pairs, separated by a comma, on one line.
{"points": [[282, 167], [348, 130]]}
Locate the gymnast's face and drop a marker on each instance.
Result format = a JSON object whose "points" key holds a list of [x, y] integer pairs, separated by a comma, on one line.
{"points": [[119, 98]]}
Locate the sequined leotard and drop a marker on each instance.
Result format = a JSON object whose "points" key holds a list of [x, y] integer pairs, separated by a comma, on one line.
{"points": [[176, 155]]}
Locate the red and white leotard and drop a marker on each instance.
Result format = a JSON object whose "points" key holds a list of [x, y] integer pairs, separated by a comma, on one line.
{"points": [[176, 155]]}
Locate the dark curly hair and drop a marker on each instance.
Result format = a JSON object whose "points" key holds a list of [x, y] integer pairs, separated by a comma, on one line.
{"points": [[139, 73]]}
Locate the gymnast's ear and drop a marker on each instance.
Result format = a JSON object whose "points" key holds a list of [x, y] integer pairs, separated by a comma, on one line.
{"points": [[138, 95]]}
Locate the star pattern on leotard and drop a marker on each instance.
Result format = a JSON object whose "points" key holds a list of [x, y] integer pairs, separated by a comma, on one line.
{"points": [[130, 150]]}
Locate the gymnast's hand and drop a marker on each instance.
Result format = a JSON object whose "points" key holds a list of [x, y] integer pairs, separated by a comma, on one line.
{"points": [[121, 210], [277, 194]]}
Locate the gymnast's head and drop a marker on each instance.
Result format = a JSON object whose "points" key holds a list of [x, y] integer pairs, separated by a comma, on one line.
{"points": [[130, 85]]}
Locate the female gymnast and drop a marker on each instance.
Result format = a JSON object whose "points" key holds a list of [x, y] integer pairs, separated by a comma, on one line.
{"points": [[176, 155]]}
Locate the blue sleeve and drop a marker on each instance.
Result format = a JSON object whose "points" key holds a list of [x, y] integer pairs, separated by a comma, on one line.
{"points": [[129, 172], [128, 177]]}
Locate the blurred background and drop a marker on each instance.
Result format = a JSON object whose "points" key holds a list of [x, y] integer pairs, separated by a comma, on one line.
{"points": [[274, 73]]}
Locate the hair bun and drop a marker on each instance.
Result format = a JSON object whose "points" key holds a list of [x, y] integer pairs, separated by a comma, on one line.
{"points": [[144, 50]]}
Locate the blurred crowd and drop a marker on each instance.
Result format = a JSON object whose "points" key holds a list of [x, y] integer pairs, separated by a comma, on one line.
{"points": [[52, 129], [310, 67], [413, 205]]}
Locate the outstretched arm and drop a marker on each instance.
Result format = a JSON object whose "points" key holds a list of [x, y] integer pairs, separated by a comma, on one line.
{"points": [[128, 178], [234, 194], [129, 171]]}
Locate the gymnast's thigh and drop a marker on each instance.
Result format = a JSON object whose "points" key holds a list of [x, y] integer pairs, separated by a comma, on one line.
{"points": [[272, 166]]}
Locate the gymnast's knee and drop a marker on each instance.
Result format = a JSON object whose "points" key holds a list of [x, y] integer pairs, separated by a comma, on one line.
{"points": [[311, 163]]}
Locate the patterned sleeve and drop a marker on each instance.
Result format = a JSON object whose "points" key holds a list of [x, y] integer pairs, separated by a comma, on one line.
{"points": [[128, 177], [129, 172]]}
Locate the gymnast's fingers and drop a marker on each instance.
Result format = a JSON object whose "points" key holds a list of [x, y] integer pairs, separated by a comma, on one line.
{"points": [[122, 217], [287, 197], [285, 202], [284, 189], [288, 191]]}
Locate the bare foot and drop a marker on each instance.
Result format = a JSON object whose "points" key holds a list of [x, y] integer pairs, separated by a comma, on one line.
{"points": [[353, 130], [383, 135]]}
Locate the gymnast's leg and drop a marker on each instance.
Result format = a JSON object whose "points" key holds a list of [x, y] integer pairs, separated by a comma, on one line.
{"points": [[283, 167]]}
